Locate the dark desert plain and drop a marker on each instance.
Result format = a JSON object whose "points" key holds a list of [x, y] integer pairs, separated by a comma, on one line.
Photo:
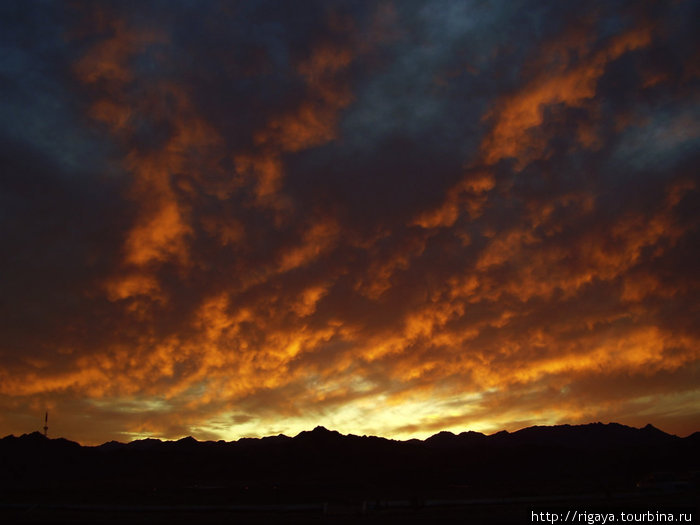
{"points": [[349, 261]]}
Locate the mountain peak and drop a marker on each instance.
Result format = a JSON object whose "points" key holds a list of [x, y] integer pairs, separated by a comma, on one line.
{"points": [[319, 432], [36, 435]]}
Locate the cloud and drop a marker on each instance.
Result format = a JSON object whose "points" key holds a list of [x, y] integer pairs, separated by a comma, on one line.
{"points": [[380, 218]]}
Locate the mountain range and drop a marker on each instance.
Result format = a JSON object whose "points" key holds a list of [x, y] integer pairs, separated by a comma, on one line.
{"points": [[592, 455]]}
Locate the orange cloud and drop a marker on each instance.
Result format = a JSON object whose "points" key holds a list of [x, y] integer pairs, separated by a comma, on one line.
{"points": [[316, 240], [160, 233], [469, 193], [236, 307], [517, 117], [311, 124]]}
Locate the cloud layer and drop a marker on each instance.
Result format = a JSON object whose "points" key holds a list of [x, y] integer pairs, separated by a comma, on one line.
{"points": [[227, 220]]}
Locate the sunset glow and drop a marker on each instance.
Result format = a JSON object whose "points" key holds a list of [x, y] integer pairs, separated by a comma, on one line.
{"points": [[227, 219]]}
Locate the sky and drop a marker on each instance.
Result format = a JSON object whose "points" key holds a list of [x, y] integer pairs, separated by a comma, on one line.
{"points": [[230, 219]]}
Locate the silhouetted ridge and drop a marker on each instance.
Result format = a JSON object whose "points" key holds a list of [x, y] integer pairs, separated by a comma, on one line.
{"points": [[694, 437], [593, 435], [34, 436], [652, 430], [533, 460], [185, 443], [111, 445], [145, 444], [587, 434], [442, 435], [318, 433], [37, 439], [446, 439]]}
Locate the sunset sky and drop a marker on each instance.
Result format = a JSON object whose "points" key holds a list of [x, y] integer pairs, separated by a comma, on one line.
{"points": [[229, 219]]}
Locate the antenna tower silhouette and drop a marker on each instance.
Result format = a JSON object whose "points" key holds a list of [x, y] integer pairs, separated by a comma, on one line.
{"points": [[46, 424]]}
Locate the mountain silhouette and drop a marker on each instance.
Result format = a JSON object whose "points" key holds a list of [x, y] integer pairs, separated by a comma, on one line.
{"points": [[324, 465]]}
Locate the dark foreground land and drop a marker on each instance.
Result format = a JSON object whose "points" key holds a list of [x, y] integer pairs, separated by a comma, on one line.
{"points": [[325, 477]]}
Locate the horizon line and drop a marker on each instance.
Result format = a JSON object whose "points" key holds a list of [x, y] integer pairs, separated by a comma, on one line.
{"points": [[324, 428]]}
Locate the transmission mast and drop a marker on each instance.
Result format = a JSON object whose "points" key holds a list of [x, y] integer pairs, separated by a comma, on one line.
{"points": [[46, 424]]}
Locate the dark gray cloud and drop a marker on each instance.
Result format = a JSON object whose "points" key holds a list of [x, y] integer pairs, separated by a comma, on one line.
{"points": [[220, 219]]}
